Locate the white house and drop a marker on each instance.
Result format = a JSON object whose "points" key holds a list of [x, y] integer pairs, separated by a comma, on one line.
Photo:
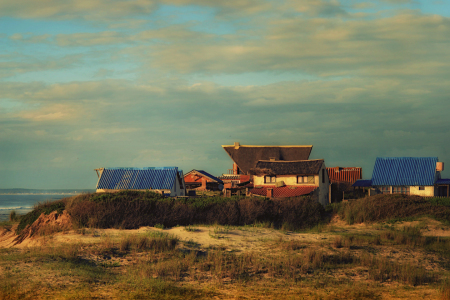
{"points": [[272, 178]]}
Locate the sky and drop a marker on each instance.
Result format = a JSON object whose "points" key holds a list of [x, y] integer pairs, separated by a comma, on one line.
{"points": [[149, 83]]}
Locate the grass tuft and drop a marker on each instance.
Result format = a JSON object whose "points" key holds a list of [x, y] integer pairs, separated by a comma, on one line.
{"points": [[13, 217]]}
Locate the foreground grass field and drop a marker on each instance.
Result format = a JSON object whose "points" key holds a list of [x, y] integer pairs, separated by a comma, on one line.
{"points": [[340, 258]]}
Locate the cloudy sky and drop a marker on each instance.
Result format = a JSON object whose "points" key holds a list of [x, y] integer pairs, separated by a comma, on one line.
{"points": [[138, 83]]}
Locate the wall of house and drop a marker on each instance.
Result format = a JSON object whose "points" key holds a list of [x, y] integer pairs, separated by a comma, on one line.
{"points": [[323, 186], [177, 190], [287, 179], [428, 192], [119, 190]]}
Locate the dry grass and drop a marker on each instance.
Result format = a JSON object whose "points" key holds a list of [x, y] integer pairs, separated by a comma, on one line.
{"points": [[326, 262], [153, 265]]}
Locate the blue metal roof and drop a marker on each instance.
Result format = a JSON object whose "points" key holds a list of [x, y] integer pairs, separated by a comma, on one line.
{"points": [[443, 181], [362, 183], [137, 178], [407, 171]]}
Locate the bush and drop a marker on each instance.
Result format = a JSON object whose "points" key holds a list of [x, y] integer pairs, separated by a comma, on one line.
{"points": [[131, 209], [13, 217]]}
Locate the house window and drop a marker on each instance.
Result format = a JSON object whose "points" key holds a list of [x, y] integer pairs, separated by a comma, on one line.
{"points": [[305, 179], [270, 179], [385, 189], [421, 188], [400, 190]]}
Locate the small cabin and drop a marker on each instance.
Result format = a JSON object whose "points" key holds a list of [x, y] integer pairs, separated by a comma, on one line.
{"points": [[202, 181], [409, 175], [168, 181]]}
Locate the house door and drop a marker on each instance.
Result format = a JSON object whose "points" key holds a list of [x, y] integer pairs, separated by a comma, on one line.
{"points": [[443, 191]]}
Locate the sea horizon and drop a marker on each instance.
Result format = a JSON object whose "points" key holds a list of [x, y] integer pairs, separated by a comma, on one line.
{"points": [[24, 203]]}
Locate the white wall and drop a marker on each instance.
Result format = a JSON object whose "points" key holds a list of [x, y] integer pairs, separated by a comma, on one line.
{"points": [[323, 187], [429, 191], [287, 179], [176, 190]]}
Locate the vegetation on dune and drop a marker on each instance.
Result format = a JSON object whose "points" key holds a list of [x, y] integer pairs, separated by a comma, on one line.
{"points": [[133, 209], [130, 209], [42, 208], [388, 207]]}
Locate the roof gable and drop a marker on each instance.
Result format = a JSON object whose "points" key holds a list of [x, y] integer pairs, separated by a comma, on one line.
{"points": [[408, 171], [138, 178], [292, 167], [206, 174], [246, 157]]}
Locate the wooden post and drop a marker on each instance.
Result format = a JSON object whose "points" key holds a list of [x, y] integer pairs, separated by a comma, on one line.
{"points": [[329, 193]]}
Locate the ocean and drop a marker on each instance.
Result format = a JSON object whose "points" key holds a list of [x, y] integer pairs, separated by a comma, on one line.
{"points": [[23, 204]]}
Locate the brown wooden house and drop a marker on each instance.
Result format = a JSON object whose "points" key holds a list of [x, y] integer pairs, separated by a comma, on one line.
{"points": [[202, 181]]}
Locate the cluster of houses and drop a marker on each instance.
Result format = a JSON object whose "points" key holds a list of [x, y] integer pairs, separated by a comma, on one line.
{"points": [[281, 172]]}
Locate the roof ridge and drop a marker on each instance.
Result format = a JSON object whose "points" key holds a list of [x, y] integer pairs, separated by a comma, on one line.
{"points": [[269, 146], [291, 160], [407, 157]]}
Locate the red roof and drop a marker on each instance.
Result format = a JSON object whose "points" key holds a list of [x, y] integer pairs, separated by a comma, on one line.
{"points": [[285, 191], [350, 175]]}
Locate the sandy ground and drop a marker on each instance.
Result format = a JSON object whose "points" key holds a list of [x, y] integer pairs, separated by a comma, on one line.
{"points": [[202, 238], [241, 238]]}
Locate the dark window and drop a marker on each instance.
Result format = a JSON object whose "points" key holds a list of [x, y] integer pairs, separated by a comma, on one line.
{"points": [[421, 188]]}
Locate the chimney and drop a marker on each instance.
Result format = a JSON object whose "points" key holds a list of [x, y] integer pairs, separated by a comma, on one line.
{"points": [[439, 166], [236, 145], [272, 158], [203, 187]]}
